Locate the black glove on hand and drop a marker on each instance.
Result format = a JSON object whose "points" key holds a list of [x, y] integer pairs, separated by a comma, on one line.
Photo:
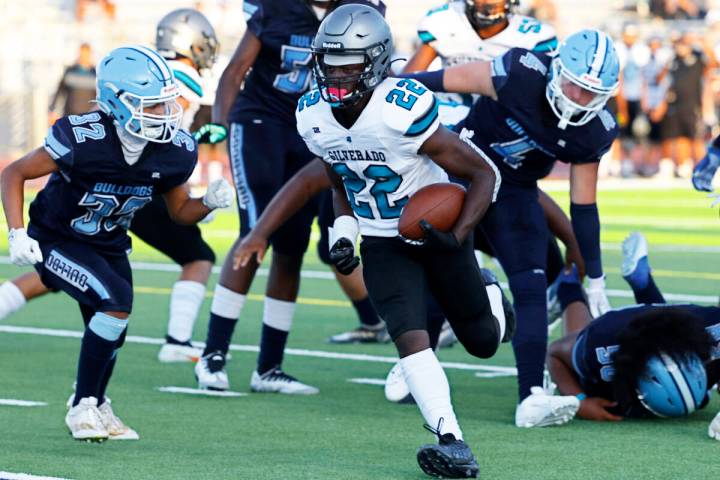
{"points": [[342, 255], [437, 240]]}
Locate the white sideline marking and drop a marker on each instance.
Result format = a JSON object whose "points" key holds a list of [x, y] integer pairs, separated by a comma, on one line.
{"points": [[322, 275], [26, 476], [358, 357], [493, 374], [368, 381], [197, 391], [20, 403]]}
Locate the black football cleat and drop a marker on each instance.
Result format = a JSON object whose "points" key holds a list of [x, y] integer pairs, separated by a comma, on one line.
{"points": [[449, 458], [510, 322]]}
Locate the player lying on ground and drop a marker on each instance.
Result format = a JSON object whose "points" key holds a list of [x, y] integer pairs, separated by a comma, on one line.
{"points": [[104, 167], [187, 40], [394, 126], [534, 110], [650, 359]]}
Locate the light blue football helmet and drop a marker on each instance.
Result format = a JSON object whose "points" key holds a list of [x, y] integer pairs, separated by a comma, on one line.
{"points": [[586, 59], [131, 80], [673, 387]]}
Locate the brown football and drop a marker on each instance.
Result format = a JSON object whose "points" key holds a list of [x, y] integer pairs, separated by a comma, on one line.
{"points": [[439, 204]]}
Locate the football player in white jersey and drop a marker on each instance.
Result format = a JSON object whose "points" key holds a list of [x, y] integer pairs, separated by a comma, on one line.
{"points": [[463, 31], [381, 140]]}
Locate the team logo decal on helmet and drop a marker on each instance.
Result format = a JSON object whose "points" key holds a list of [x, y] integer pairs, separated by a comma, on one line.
{"points": [[137, 89], [583, 77], [188, 33], [673, 386], [353, 34], [482, 13]]}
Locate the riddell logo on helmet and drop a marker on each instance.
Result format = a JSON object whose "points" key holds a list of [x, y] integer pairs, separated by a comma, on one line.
{"points": [[591, 79], [169, 90], [332, 45]]}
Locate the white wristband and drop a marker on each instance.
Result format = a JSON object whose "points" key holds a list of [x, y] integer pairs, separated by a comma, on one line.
{"points": [[345, 226]]}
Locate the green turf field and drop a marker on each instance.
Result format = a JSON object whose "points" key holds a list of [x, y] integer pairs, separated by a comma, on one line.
{"points": [[349, 431]]}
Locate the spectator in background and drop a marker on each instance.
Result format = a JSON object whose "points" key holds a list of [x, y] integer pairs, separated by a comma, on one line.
{"points": [[633, 57], [77, 87], [108, 7], [682, 124], [678, 9], [655, 81], [543, 10]]}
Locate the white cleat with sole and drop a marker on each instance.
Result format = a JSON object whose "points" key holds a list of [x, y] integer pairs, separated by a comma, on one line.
{"points": [[542, 410], [210, 372], [85, 422], [116, 429], [714, 428], [176, 353], [277, 381]]}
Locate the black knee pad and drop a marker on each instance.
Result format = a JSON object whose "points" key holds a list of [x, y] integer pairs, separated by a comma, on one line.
{"points": [[483, 341], [529, 287]]}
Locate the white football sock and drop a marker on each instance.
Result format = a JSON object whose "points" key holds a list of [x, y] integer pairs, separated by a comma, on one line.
{"points": [[227, 303], [185, 301], [278, 314], [11, 299], [495, 296], [430, 389]]}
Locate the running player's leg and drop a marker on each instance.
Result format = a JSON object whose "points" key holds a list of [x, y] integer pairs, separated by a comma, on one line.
{"points": [[289, 244], [636, 270], [371, 328], [517, 229], [104, 285], [15, 293], [257, 163], [456, 282], [185, 246]]}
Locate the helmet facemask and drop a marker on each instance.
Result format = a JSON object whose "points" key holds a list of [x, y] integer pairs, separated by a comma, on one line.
{"points": [[487, 15], [346, 90], [153, 127], [588, 99]]}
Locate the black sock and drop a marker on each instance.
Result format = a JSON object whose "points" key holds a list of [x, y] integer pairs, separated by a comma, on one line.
{"points": [[95, 354], [650, 294], [366, 312], [220, 331], [106, 378], [272, 347]]}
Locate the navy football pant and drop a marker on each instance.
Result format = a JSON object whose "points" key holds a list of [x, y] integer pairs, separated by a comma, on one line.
{"points": [[100, 282], [517, 229], [263, 156]]}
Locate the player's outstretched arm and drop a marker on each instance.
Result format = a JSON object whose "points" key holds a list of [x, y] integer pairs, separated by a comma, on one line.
{"points": [[463, 159], [186, 210], [586, 225], [35, 164], [233, 76], [304, 185], [559, 363], [561, 227], [474, 77]]}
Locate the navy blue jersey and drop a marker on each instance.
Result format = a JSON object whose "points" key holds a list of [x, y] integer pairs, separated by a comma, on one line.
{"points": [[94, 195], [597, 343], [282, 70], [519, 131]]}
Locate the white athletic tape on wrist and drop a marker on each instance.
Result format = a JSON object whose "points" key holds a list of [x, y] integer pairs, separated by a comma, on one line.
{"points": [[345, 226]]}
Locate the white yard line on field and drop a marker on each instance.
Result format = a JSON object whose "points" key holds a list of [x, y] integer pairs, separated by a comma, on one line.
{"points": [[26, 476], [197, 391], [356, 357], [20, 403]]}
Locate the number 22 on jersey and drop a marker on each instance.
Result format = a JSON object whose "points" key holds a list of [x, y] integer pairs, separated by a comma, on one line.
{"points": [[386, 181]]}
